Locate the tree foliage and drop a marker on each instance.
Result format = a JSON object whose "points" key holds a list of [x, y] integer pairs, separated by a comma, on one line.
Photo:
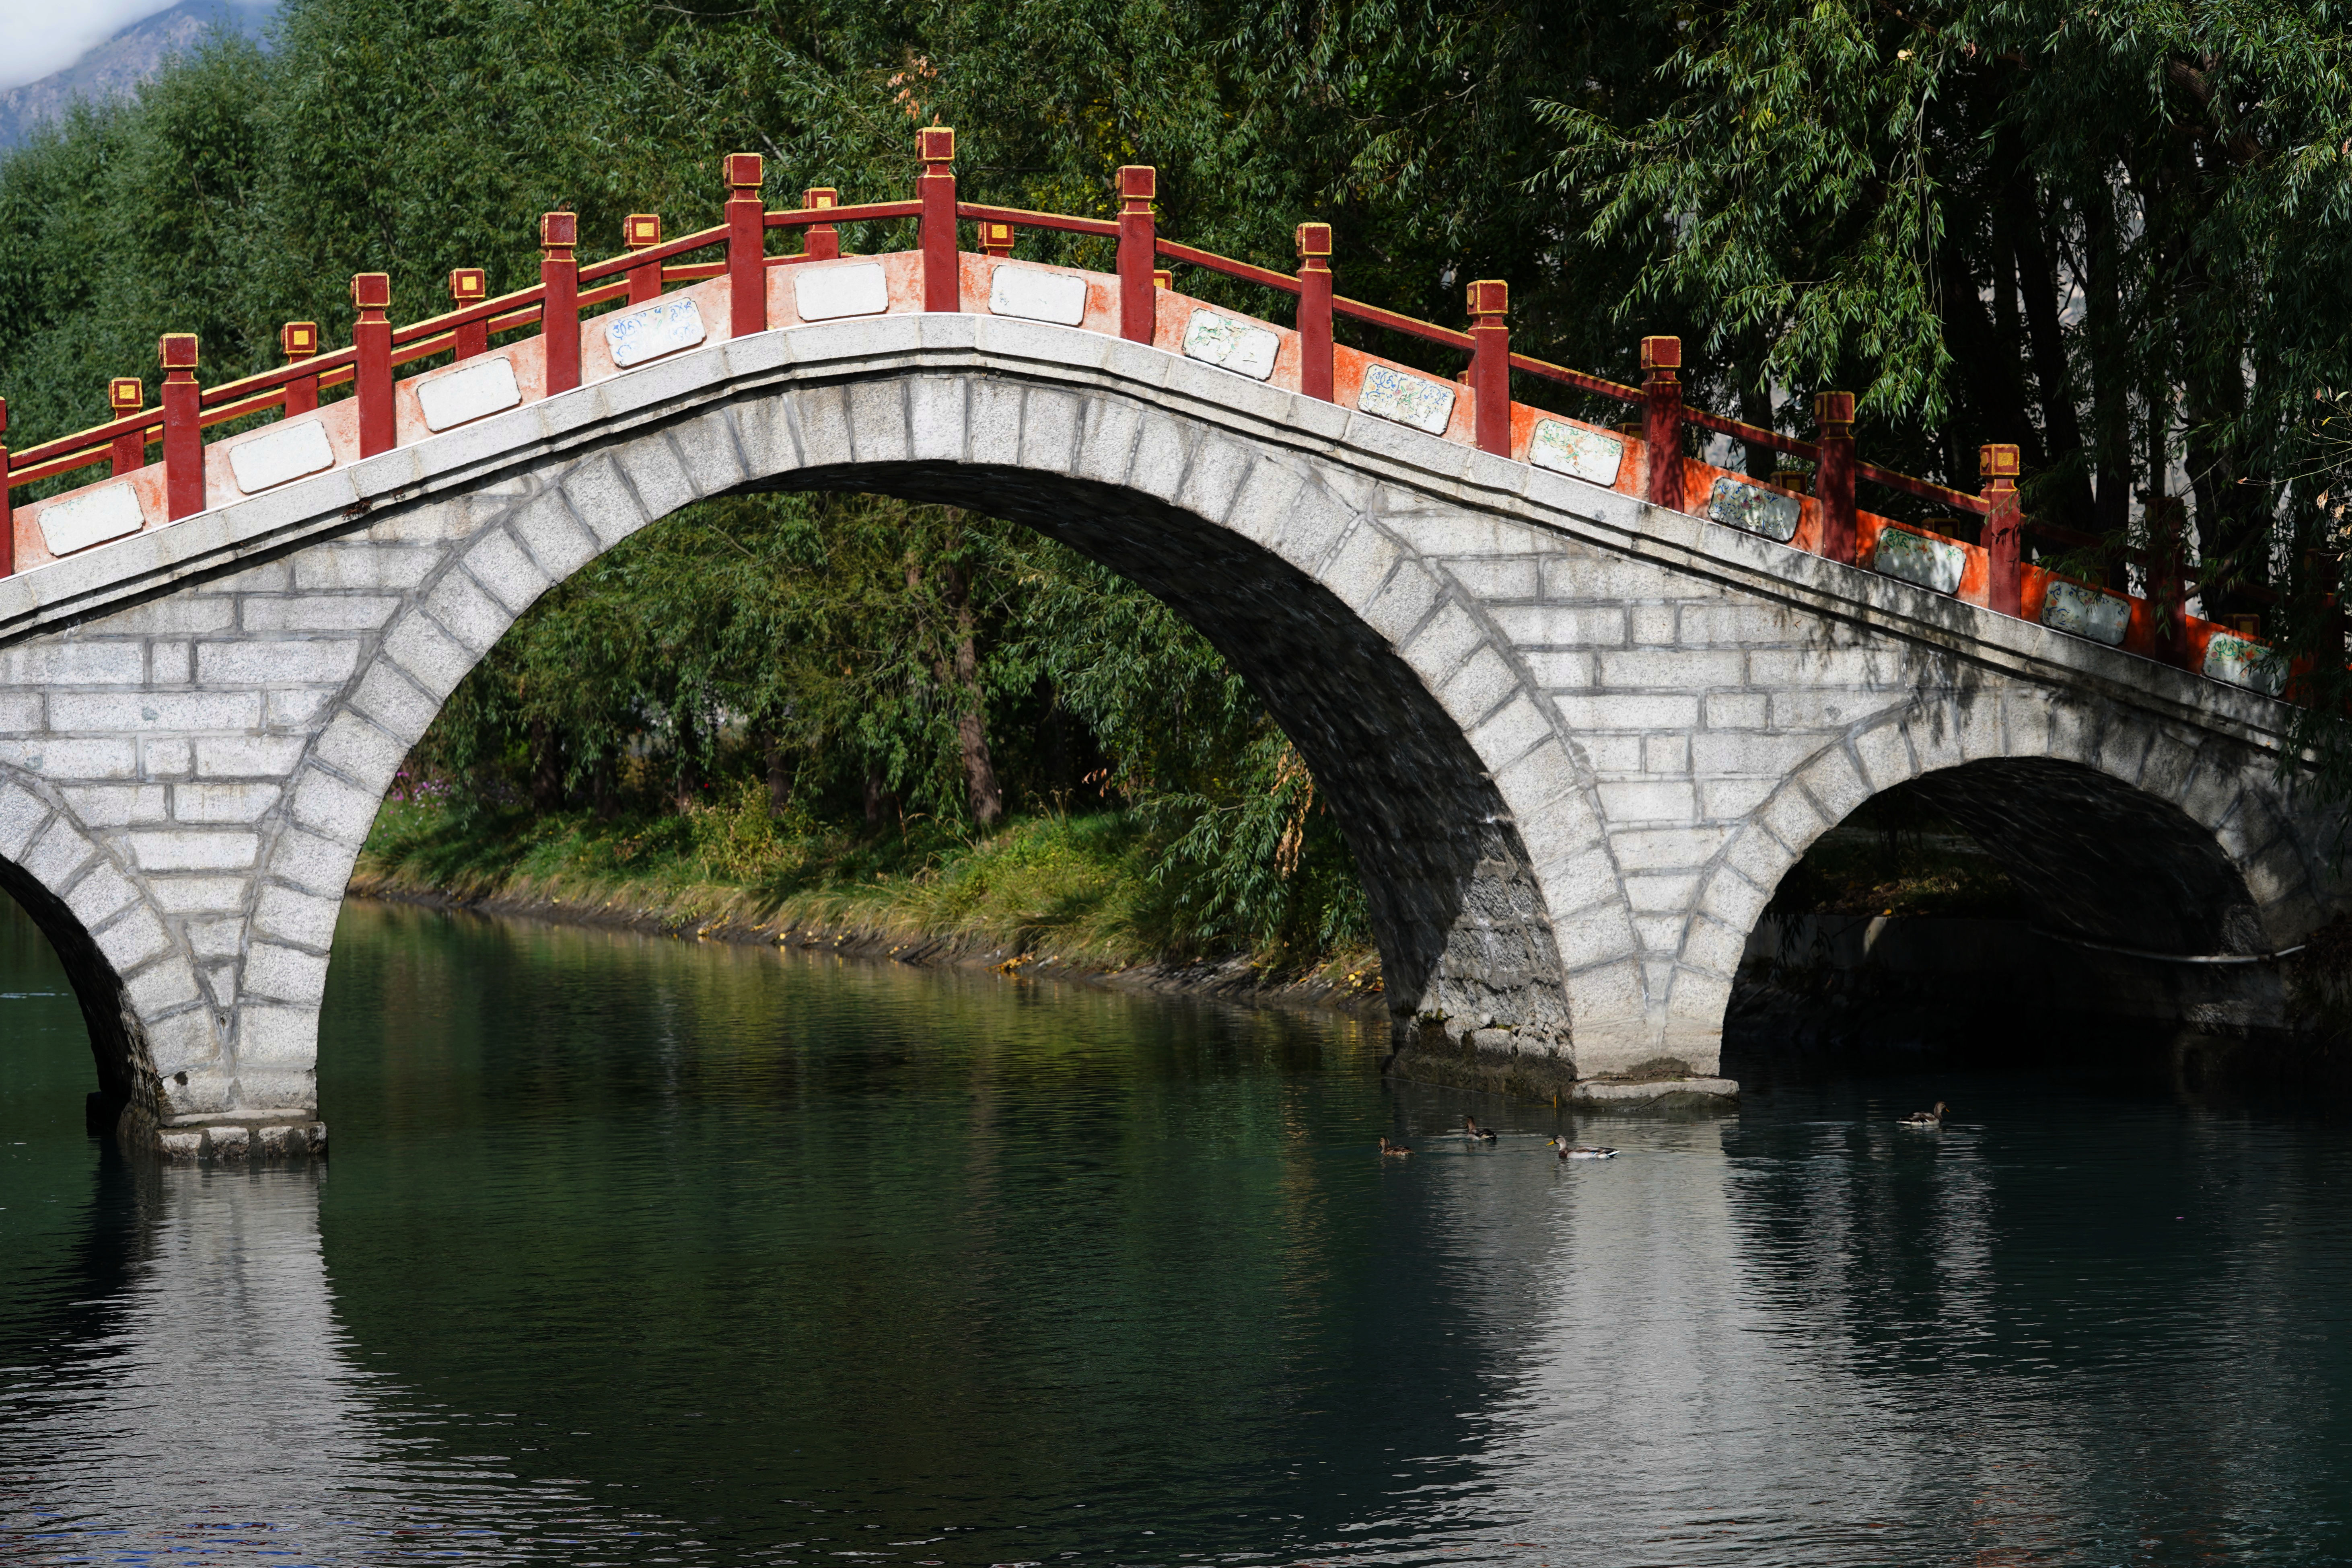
{"points": [[2113, 235]]}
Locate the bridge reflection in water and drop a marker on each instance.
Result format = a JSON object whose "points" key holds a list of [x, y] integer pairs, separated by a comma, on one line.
{"points": [[173, 1377], [209, 1403], [660, 1252]]}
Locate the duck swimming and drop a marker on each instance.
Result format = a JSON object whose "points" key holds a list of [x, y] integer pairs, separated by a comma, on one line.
{"points": [[1395, 1151], [1568, 1151], [1926, 1121], [1471, 1129]]}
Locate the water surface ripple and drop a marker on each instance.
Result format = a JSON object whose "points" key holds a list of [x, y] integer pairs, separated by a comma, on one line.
{"points": [[637, 1252]]}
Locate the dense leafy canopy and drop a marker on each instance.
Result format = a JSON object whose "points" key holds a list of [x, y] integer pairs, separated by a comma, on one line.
{"points": [[2112, 235]]}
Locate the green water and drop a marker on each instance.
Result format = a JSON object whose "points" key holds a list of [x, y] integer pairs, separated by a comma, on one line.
{"points": [[634, 1251]]}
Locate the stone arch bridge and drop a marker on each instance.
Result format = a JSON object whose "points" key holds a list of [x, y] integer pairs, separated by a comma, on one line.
{"points": [[1575, 738]]}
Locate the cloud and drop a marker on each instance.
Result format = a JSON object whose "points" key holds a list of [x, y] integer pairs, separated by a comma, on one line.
{"points": [[47, 35]]}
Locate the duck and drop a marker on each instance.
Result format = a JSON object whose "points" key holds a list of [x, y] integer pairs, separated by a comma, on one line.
{"points": [[1568, 1151], [1472, 1130], [1395, 1151], [1926, 1121]]}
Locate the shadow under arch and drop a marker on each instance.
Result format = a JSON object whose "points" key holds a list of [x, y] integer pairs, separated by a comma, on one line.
{"points": [[1449, 888], [2124, 901], [117, 1042], [2100, 859]]}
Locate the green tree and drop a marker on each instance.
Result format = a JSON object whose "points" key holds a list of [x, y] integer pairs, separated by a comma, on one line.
{"points": [[2102, 234]]}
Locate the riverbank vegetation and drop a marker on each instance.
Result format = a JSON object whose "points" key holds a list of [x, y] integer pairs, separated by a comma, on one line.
{"points": [[1096, 892], [2113, 236]]}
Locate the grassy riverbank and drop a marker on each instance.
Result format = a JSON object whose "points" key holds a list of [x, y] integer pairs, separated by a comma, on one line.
{"points": [[1092, 893]]}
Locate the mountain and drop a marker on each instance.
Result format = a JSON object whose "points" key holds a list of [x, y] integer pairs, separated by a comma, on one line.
{"points": [[123, 61]]}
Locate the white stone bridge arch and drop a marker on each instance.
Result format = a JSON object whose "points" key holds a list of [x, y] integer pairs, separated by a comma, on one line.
{"points": [[1574, 738]]}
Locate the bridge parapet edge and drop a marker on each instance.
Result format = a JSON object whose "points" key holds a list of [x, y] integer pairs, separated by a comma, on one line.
{"points": [[1443, 472]]}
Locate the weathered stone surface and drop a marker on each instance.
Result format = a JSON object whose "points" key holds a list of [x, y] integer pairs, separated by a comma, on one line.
{"points": [[647, 333], [1915, 557], [1036, 294], [1754, 508], [828, 293], [1571, 773], [1426, 405], [280, 455], [2242, 662], [2086, 612], [468, 392], [77, 522], [1240, 347], [1568, 448]]}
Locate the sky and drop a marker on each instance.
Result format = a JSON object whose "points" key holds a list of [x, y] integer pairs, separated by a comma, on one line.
{"points": [[47, 35]]}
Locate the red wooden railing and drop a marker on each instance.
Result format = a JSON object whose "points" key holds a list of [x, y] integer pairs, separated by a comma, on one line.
{"points": [[649, 263]]}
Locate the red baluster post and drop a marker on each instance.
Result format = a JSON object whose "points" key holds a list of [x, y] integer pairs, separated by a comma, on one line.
{"points": [[183, 430], [371, 380], [2004, 529], [1139, 185], [1490, 365], [7, 513], [126, 396], [996, 240], [298, 341], [559, 317], [642, 230], [1662, 418], [470, 286], [821, 242], [1315, 310], [747, 245], [1834, 475], [935, 188]]}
